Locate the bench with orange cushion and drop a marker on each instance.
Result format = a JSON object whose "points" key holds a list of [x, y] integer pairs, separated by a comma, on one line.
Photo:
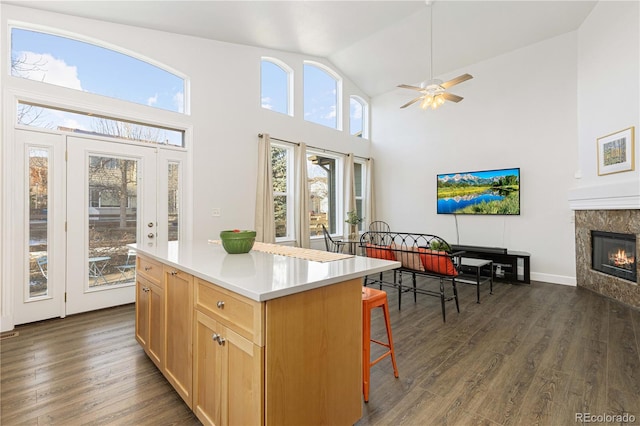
{"points": [[420, 254]]}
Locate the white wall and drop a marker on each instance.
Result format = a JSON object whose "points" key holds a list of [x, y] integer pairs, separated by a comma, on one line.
{"points": [[226, 115], [608, 101], [519, 111]]}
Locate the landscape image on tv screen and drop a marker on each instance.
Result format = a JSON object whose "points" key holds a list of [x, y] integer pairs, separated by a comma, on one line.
{"points": [[484, 192]]}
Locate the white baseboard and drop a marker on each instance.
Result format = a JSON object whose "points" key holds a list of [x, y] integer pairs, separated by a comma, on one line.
{"points": [[6, 324], [554, 279]]}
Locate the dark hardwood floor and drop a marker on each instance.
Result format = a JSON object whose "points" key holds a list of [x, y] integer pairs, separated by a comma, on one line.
{"points": [[526, 355]]}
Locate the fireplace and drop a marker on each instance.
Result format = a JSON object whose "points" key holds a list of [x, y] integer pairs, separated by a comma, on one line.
{"points": [[614, 254]]}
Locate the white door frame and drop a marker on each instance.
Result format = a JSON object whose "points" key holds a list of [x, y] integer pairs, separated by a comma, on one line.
{"points": [[81, 297], [17, 223], [26, 308]]}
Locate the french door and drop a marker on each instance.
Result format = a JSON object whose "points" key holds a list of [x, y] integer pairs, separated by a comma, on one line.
{"points": [[83, 201], [111, 202]]}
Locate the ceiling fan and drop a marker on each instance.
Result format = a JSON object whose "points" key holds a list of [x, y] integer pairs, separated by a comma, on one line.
{"points": [[433, 92]]}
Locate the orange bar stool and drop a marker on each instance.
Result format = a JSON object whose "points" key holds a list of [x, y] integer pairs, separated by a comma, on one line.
{"points": [[372, 298]]}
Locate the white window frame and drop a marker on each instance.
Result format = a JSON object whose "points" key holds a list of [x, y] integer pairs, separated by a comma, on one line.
{"points": [[339, 196], [186, 101], [289, 194], [363, 187], [365, 115], [338, 79], [289, 72]]}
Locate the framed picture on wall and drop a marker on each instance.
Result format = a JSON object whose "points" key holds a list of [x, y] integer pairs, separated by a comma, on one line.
{"points": [[615, 152]]}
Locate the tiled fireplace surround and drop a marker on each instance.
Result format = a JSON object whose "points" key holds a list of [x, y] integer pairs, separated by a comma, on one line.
{"points": [[620, 221]]}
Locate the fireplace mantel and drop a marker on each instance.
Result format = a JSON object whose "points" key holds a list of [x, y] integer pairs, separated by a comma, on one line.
{"points": [[619, 196]]}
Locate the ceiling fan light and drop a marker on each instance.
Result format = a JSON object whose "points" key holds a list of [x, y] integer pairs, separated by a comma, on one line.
{"points": [[426, 102], [440, 100]]}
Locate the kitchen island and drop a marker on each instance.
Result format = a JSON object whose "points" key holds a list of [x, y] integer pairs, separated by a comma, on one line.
{"points": [[255, 338]]}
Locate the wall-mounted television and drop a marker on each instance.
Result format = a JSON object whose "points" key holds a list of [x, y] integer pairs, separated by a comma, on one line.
{"points": [[494, 192]]}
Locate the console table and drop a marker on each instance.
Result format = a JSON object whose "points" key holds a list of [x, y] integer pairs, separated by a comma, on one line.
{"points": [[509, 265]]}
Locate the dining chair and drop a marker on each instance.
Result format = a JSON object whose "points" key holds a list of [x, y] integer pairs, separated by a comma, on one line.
{"points": [[332, 245], [377, 230]]}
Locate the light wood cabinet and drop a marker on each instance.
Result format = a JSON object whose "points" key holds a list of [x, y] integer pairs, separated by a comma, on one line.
{"points": [[228, 375], [150, 331], [296, 359], [178, 357]]}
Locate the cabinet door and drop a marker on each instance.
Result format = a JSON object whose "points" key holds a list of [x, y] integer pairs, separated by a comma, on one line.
{"points": [[178, 331], [243, 382], [155, 342], [207, 388], [228, 373], [142, 311]]}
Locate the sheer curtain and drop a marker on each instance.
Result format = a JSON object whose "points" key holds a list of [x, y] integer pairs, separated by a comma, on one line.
{"points": [[349, 189], [265, 221], [370, 201], [301, 197]]}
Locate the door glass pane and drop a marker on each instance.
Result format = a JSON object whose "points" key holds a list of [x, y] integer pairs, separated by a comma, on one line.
{"points": [[112, 210], [38, 226], [174, 201]]}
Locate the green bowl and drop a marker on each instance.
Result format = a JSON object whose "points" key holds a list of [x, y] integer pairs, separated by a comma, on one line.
{"points": [[236, 242]]}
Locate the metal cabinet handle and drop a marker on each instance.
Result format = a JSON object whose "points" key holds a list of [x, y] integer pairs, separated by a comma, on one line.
{"points": [[145, 289], [174, 272], [218, 338], [150, 235], [220, 304], [147, 268]]}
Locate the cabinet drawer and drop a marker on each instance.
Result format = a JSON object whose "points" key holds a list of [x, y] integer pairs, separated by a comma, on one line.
{"points": [[149, 268], [242, 315]]}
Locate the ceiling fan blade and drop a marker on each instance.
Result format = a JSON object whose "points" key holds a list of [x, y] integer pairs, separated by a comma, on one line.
{"points": [[406, 86], [413, 101], [457, 80], [451, 97]]}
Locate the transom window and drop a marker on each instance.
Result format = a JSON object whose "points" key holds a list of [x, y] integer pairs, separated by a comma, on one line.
{"points": [[321, 94], [34, 115], [86, 67], [276, 86]]}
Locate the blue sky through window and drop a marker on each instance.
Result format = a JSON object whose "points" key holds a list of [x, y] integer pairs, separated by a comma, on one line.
{"points": [[82, 66], [356, 116], [274, 87], [320, 97]]}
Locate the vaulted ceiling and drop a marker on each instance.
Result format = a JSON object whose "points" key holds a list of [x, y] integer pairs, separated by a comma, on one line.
{"points": [[377, 44]]}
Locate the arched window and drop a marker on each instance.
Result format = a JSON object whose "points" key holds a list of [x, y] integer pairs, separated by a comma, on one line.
{"points": [[322, 92], [276, 91], [87, 67], [358, 117]]}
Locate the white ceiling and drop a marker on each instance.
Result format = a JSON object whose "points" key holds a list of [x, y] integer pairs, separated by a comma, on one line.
{"points": [[377, 44]]}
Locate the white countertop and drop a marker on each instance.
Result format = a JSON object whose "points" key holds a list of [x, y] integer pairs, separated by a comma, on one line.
{"points": [[261, 276]]}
